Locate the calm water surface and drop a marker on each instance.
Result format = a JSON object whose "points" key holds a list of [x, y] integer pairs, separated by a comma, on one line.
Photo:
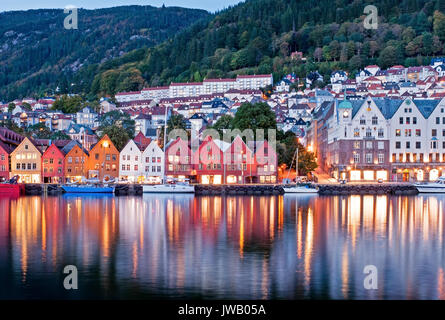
{"points": [[181, 246]]}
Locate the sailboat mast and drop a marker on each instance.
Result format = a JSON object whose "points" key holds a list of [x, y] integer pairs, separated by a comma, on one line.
{"points": [[165, 141]]}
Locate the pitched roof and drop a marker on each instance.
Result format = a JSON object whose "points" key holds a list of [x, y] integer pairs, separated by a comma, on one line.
{"points": [[426, 107]]}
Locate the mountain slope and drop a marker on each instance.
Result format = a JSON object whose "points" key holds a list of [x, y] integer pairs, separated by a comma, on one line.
{"points": [[258, 36], [37, 53]]}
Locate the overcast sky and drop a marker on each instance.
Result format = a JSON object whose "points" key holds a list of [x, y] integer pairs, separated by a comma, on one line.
{"points": [[210, 5]]}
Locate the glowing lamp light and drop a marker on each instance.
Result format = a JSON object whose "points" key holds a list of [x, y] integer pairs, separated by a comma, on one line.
{"points": [[106, 144]]}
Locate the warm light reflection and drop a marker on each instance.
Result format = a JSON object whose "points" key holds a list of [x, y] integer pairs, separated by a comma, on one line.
{"points": [[237, 247]]}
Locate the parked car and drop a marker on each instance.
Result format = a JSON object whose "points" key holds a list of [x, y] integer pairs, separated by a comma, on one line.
{"points": [[343, 181]]}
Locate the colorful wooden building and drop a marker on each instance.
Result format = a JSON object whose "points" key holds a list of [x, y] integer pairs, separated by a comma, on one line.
{"points": [[26, 162], [75, 162], [4, 161], [52, 165], [103, 162]]}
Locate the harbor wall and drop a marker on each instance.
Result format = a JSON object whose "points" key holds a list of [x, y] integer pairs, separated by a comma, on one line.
{"points": [[259, 190]]}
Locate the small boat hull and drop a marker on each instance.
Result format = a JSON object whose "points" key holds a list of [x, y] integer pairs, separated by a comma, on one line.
{"points": [[299, 190], [168, 188], [430, 188], [87, 189], [10, 189]]}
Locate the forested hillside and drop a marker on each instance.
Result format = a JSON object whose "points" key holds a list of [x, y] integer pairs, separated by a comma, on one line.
{"points": [[37, 54], [258, 36]]}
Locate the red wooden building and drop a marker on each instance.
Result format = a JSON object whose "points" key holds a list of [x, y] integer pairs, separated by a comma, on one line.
{"points": [[53, 165], [178, 164], [4, 161]]}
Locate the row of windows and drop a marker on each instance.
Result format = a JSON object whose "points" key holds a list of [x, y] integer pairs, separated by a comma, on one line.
{"points": [[147, 159], [26, 166], [418, 132], [51, 170], [76, 159], [414, 157], [26, 156], [51, 161], [374, 120], [407, 120], [369, 158], [107, 167], [369, 145], [368, 133], [418, 145], [107, 157]]}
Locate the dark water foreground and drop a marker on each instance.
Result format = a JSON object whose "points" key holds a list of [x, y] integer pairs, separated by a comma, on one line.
{"points": [[181, 246]]}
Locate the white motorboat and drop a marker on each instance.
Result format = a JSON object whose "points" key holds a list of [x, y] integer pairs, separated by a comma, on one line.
{"points": [[169, 188], [432, 187], [299, 189]]}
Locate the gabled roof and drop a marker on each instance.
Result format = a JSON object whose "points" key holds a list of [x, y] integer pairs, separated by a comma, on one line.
{"points": [[386, 106], [426, 107], [67, 148]]}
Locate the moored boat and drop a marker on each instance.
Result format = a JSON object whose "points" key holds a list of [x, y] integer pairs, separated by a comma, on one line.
{"points": [[11, 187], [300, 189], [432, 187], [87, 189], [179, 187]]}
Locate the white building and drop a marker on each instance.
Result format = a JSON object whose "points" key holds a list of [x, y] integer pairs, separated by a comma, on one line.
{"points": [[87, 117], [152, 163], [130, 163], [194, 89], [155, 93]]}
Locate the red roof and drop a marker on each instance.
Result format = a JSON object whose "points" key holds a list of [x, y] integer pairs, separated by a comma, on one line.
{"points": [[155, 88], [128, 93], [254, 76], [220, 80], [186, 84]]}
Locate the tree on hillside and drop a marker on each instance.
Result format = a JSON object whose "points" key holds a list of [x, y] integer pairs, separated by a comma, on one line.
{"points": [[39, 131], [254, 116], [176, 121], [67, 104], [118, 136], [439, 25], [11, 107], [223, 123], [388, 57], [119, 119]]}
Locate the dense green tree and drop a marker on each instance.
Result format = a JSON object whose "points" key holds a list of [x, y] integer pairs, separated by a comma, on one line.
{"points": [[39, 131], [223, 123], [11, 107], [117, 119], [37, 57], [439, 25], [118, 136], [388, 57], [254, 116], [67, 104]]}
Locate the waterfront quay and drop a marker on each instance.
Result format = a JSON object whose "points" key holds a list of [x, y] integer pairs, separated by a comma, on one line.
{"points": [[250, 189]]}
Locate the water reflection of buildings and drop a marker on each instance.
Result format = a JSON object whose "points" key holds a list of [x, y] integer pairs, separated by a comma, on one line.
{"points": [[219, 247]]}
